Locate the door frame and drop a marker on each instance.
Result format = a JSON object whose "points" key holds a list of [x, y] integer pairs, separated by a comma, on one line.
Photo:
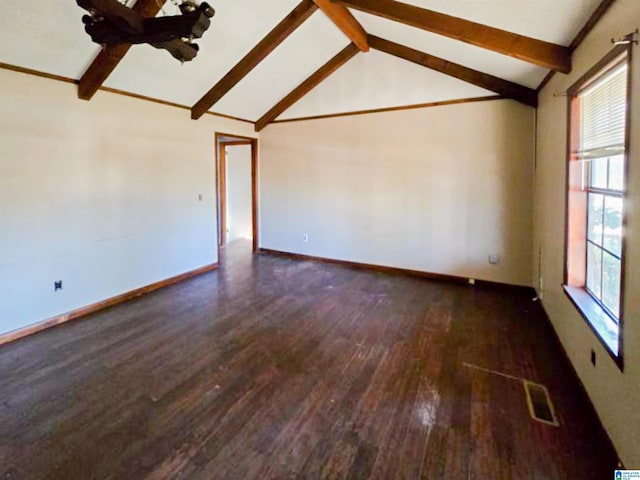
{"points": [[221, 194]]}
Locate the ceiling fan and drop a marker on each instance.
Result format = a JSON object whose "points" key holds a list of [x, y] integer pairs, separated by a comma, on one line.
{"points": [[111, 23]]}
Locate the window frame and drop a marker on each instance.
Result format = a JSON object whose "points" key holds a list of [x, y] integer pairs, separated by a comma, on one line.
{"points": [[575, 250]]}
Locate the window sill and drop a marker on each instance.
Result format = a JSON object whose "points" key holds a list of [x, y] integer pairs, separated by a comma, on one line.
{"points": [[598, 320]]}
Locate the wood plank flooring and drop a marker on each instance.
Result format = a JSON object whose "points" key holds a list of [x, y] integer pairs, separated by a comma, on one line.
{"points": [[273, 368]]}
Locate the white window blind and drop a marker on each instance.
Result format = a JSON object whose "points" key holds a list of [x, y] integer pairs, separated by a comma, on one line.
{"points": [[603, 115]]}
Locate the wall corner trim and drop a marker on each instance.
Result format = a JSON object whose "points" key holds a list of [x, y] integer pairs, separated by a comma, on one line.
{"points": [[96, 307], [442, 277], [560, 345]]}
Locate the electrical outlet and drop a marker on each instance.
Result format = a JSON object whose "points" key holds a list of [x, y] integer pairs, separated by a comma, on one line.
{"points": [[57, 285], [305, 237], [494, 258]]}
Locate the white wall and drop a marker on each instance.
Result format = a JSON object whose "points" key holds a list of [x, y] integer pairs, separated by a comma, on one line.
{"points": [[433, 189], [102, 195], [616, 395], [239, 215]]}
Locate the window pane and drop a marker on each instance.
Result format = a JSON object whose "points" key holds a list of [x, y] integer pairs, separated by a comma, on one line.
{"points": [[599, 173], [613, 224], [611, 284], [594, 269], [595, 212], [616, 173]]}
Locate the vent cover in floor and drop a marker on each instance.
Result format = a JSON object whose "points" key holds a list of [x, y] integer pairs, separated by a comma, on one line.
{"points": [[540, 406]]}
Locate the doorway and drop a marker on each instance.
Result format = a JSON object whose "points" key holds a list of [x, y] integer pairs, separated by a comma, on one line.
{"points": [[236, 183]]}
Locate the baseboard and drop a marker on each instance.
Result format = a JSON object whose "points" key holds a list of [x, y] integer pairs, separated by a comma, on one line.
{"points": [[559, 343], [399, 271], [95, 307]]}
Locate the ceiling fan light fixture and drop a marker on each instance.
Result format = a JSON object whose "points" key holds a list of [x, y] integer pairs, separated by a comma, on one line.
{"points": [[111, 23]]}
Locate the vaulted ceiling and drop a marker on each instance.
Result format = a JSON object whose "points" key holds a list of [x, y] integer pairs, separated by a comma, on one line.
{"points": [[49, 37]]}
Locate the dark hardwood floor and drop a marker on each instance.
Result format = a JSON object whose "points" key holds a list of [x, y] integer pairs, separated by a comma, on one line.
{"points": [[273, 368]]}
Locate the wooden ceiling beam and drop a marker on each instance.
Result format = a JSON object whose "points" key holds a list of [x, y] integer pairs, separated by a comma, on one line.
{"points": [[346, 22], [538, 52], [274, 38], [108, 59], [309, 84], [505, 88], [593, 20]]}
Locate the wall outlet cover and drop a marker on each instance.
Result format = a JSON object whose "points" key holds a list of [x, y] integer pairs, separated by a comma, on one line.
{"points": [[494, 258]]}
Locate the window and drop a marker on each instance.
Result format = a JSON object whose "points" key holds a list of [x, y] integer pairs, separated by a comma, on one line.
{"points": [[596, 186]]}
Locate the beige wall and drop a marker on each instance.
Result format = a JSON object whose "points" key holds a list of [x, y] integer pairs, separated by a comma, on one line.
{"points": [[433, 189], [102, 195], [616, 395]]}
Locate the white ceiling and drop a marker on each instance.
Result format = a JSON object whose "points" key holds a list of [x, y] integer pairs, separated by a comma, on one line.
{"points": [[49, 37], [306, 50], [379, 80], [556, 21], [465, 54], [46, 36]]}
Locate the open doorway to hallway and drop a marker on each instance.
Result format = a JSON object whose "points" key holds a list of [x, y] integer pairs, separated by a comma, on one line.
{"points": [[236, 168]]}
